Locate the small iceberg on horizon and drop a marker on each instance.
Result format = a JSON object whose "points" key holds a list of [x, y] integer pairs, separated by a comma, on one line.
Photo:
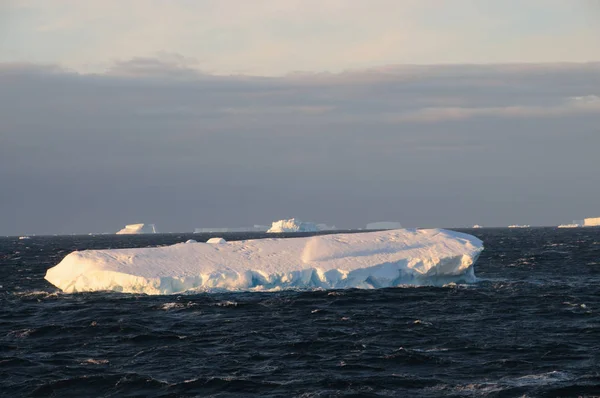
{"points": [[364, 260], [292, 225], [136, 229], [570, 226]]}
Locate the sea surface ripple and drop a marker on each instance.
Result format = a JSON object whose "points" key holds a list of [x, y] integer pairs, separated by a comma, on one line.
{"points": [[529, 327]]}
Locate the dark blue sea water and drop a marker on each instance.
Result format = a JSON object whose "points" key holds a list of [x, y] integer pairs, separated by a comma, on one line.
{"points": [[530, 327]]}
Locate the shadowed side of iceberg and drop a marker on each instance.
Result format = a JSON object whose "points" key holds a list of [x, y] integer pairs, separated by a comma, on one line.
{"points": [[310, 278]]}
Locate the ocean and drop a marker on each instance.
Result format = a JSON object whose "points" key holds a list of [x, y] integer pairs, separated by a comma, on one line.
{"points": [[529, 327]]}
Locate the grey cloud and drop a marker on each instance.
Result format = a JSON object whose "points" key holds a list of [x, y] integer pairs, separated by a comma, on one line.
{"points": [[571, 106], [154, 140], [165, 65]]}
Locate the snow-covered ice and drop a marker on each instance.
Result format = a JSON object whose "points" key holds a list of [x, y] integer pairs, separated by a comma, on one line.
{"points": [[384, 225], [133, 229], [292, 225], [216, 241], [359, 260]]}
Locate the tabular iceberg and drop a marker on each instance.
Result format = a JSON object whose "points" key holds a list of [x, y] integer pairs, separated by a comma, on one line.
{"points": [[570, 225], [359, 260], [134, 229]]}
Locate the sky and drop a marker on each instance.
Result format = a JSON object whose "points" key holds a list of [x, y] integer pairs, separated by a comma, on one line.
{"points": [[275, 37], [226, 113]]}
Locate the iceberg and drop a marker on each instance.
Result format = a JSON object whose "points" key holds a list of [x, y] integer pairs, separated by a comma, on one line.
{"points": [[133, 229], [587, 222], [292, 225], [574, 225], [384, 225], [356, 260]]}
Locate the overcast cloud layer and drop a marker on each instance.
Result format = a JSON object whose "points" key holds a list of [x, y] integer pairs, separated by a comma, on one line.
{"points": [[155, 141]]}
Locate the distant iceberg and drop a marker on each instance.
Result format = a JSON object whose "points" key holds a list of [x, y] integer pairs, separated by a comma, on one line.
{"points": [[384, 225], [133, 229], [570, 225], [477, 226], [587, 222], [519, 226], [359, 260], [292, 225], [591, 222]]}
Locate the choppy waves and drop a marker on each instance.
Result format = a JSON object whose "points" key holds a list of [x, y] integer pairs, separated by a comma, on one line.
{"points": [[529, 327]]}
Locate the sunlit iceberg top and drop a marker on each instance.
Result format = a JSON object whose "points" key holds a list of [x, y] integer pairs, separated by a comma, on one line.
{"points": [[292, 225], [134, 229], [359, 260]]}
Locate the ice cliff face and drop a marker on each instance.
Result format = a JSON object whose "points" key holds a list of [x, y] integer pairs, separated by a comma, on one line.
{"points": [[292, 225], [133, 229], [360, 260]]}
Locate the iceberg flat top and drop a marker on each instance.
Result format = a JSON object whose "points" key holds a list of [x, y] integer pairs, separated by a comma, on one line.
{"points": [[361, 260], [132, 229]]}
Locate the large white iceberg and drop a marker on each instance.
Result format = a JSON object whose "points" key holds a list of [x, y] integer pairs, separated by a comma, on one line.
{"points": [[133, 229], [292, 225], [358, 260]]}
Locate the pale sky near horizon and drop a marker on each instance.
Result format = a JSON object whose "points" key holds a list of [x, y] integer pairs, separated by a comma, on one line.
{"points": [[275, 37], [119, 112]]}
